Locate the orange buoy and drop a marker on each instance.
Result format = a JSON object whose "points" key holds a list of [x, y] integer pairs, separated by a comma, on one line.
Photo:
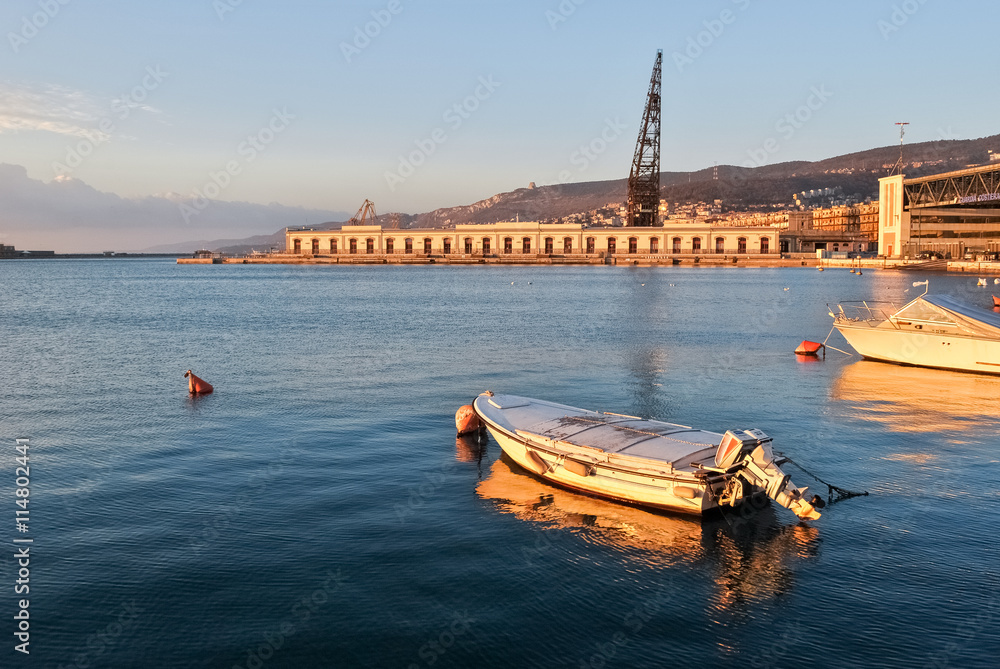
{"points": [[809, 348], [996, 301], [197, 386], [466, 420]]}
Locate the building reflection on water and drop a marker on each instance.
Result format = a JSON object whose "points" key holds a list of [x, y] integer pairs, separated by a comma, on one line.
{"points": [[918, 399], [749, 558]]}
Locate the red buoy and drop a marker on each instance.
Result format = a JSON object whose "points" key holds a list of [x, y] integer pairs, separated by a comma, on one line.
{"points": [[466, 420], [197, 386], [809, 348]]}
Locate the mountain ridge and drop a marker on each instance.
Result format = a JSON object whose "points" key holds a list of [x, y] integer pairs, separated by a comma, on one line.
{"points": [[739, 187]]}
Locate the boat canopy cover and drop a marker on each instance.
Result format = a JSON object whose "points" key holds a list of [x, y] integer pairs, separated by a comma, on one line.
{"points": [[610, 433], [945, 309]]}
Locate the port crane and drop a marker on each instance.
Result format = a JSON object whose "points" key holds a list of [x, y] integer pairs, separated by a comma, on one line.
{"points": [[644, 179], [365, 216]]}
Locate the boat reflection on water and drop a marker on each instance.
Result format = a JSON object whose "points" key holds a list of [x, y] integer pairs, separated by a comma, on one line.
{"points": [[919, 399], [749, 556], [470, 447], [595, 520]]}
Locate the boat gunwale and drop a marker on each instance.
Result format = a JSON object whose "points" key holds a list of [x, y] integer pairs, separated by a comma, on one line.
{"points": [[872, 325], [916, 333]]}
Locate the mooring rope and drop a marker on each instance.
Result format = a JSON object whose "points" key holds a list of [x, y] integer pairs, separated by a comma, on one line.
{"points": [[828, 335], [842, 493]]}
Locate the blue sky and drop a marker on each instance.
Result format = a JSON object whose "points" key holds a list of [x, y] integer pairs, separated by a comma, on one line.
{"points": [[180, 86]]}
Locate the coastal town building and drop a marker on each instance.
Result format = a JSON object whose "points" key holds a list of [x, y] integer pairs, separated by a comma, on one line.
{"points": [[839, 229], [533, 239], [693, 230], [953, 214]]}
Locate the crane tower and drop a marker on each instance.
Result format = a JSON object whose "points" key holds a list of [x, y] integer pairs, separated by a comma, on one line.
{"points": [[644, 178]]}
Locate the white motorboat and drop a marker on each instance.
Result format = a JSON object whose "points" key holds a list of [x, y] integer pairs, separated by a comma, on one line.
{"points": [[637, 461], [930, 331]]}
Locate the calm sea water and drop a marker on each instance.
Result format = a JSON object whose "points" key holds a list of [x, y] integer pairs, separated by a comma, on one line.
{"points": [[317, 510]]}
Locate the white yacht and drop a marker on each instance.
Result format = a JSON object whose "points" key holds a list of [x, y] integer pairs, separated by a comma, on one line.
{"points": [[930, 331]]}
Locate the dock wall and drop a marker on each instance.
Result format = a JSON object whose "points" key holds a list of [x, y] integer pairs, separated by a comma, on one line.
{"points": [[624, 260]]}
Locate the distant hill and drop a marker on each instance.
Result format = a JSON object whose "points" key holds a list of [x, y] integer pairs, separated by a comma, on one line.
{"points": [[258, 242], [740, 188]]}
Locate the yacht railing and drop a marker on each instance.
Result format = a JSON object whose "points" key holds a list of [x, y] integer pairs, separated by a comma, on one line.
{"points": [[863, 311]]}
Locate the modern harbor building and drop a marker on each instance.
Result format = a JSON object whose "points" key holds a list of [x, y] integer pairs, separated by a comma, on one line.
{"points": [[954, 214]]}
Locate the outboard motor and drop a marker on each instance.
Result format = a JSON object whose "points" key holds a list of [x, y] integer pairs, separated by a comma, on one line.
{"points": [[737, 443], [750, 450]]}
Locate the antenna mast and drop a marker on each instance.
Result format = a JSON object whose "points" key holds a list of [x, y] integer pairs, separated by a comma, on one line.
{"points": [[644, 178], [902, 131]]}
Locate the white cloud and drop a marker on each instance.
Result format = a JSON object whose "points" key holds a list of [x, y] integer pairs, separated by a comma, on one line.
{"points": [[51, 108], [67, 215]]}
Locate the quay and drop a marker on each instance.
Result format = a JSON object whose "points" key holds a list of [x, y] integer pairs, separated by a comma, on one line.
{"points": [[774, 260], [623, 260]]}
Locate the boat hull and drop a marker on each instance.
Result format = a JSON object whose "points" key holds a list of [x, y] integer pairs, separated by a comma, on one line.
{"points": [[676, 493], [923, 348]]}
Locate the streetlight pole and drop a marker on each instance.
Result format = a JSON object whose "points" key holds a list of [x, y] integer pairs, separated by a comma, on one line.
{"points": [[902, 131]]}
